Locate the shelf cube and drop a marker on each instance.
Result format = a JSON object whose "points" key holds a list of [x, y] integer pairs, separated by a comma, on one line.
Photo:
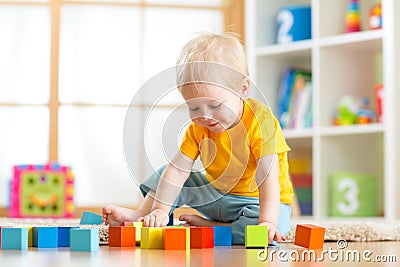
{"points": [[201, 237], [64, 235], [222, 235], [121, 236], [176, 238], [151, 238], [256, 236], [84, 239], [309, 236], [45, 237], [353, 194], [14, 238], [91, 218]]}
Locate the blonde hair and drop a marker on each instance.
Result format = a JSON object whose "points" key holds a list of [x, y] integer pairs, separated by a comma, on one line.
{"points": [[212, 58]]}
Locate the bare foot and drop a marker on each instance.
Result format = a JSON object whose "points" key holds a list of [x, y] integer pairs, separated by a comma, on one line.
{"points": [[114, 215], [196, 220]]}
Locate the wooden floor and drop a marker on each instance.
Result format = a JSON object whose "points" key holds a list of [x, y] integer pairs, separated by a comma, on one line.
{"points": [[219, 256]]}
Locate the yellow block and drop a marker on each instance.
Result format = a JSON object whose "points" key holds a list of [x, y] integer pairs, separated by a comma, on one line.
{"points": [[151, 237], [29, 236], [138, 226]]}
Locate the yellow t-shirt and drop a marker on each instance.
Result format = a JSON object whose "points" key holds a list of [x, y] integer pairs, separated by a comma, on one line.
{"points": [[230, 157]]}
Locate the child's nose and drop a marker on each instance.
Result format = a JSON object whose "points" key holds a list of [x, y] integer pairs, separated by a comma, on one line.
{"points": [[206, 115]]}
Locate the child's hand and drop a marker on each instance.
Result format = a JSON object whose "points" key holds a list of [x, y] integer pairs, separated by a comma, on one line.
{"points": [[273, 233], [156, 218]]}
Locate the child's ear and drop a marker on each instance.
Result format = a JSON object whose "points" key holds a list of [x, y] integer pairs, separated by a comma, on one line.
{"points": [[244, 89]]}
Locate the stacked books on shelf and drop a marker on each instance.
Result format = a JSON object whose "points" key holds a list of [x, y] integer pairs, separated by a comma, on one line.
{"points": [[301, 176], [295, 99]]}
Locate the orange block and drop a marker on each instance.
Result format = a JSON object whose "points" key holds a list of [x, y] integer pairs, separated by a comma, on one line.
{"points": [[309, 236], [176, 238], [202, 237], [119, 236]]}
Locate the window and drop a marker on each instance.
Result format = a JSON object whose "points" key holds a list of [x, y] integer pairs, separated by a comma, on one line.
{"points": [[69, 70]]}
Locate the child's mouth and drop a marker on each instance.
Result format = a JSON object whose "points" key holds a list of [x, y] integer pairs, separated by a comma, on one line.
{"points": [[213, 124]]}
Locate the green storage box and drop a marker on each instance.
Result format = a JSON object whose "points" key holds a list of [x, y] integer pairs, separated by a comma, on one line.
{"points": [[353, 194]]}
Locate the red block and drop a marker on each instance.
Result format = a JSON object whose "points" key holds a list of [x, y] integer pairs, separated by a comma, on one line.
{"points": [[121, 236], [309, 236], [202, 237], [176, 238]]}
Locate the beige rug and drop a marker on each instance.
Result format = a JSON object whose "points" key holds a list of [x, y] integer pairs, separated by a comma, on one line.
{"points": [[359, 231]]}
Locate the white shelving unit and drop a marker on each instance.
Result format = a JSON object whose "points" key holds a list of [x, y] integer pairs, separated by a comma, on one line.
{"points": [[341, 63]]}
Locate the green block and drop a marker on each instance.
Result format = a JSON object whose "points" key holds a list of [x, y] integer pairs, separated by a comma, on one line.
{"points": [[256, 236], [353, 194]]}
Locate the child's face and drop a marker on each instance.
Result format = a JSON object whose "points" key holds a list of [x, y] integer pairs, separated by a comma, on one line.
{"points": [[215, 108]]}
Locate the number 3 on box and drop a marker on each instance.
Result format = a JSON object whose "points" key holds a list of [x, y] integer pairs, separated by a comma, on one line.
{"points": [[350, 204]]}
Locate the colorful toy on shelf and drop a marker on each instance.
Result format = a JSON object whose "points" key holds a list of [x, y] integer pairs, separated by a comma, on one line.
{"points": [[351, 110], [42, 191], [294, 24], [379, 101], [353, 17], [364, 113], [346, 111], [375, 17]]}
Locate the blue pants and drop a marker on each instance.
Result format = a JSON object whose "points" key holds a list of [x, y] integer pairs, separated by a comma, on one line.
{"points": [[202, 196]]}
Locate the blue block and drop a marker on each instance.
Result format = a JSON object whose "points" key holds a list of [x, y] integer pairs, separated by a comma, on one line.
{"points": [[14, 238], [90, 218], [222, 236], [84, 239], [45, 237], [294, 24], [64, 235]]}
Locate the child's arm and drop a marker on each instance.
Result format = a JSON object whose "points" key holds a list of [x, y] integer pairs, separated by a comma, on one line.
{"points": [[267, 177], [171, 182]]}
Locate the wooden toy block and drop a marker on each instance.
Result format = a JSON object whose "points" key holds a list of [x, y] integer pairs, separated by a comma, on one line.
{"points": [[90, 218], [64, 235], [201, 237], [138, 227], [309, 236], [176, 238], [151, 238], [84, 239], [45, 237], [121, 236], [29, 236], [222, 235], [256, 236], [14, 238]]}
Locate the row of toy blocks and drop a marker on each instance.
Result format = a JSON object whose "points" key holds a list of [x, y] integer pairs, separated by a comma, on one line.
{"points": [[20, 238], [175, 237]]}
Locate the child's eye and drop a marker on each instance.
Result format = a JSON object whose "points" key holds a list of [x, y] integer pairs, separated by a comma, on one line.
{"points": [[194, 109], [216, 106]]}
